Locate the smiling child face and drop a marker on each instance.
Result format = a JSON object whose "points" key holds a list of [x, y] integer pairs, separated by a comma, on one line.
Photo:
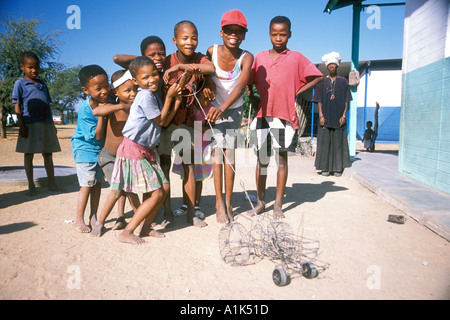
{"points": [[126, 92], [232, 35], [147, 77], [186, 40], [98, 88]]}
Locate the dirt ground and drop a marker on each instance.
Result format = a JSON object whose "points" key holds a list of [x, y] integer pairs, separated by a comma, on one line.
{"points": [[43, 257]]}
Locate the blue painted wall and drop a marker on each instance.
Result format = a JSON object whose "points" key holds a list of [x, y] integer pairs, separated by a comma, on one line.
{"points": [[424, 150], [388, 122]]}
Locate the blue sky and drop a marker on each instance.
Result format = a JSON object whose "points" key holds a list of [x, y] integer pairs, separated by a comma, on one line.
{"points": [[111, 27]]}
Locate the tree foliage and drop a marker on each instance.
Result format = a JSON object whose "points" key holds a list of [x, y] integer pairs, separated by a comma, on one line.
{"points": [[247, 107], [18, 35], [65, 91]]}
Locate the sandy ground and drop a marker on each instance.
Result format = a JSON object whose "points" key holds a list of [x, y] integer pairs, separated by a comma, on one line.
{"points": [[42, 257]]}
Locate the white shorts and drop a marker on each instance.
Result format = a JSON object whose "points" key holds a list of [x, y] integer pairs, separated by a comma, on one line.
{"points": [[274, 133]]}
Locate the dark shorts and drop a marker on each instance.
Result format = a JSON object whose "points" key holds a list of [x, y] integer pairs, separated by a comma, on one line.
{"points": [[106, 161]]}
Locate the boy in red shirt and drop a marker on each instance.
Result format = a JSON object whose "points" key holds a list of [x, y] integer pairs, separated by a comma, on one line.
{"points": [[280, 76], [184, 60]]}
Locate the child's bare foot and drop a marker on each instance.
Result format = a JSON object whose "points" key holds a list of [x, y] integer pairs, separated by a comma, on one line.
{"points": [[97, 230], [258, 209], [149, 231], [196, 222], [168, 219], [221, 214], [120, 223], [166, 224], [156, 234], [80, 226], [277, 212], [128, 237]]}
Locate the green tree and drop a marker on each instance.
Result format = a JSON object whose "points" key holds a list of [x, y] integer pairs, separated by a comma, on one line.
{"points": [[16, 36], [65, 91], [247, 107]]}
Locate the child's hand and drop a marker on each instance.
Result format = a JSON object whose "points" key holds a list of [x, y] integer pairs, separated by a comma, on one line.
{"points": [[23, 132], [169, 73], [209, 94], [174, 91], [213, 114], [190, 69]]}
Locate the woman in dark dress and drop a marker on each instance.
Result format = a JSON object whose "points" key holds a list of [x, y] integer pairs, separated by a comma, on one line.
{"points": [[332, 96]]}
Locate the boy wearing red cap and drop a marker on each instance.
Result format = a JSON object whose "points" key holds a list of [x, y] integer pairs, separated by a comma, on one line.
{"points": [[232, 72], [280, 76]]}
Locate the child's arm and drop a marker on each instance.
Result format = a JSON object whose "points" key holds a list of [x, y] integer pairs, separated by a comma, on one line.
{"points": [[309, 85], [103, 110], [203, 68], [23, 131], [100, 129], [178, 100], [123, 60], [101, 121], [173, 111], [166, 113], [215, 113]]}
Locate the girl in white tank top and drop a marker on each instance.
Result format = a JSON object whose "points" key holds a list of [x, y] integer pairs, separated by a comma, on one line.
{"points": [[226, 81]]}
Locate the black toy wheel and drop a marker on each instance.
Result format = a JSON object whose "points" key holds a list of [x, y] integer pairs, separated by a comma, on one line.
{"points": [[280, 278], [309, 270]]}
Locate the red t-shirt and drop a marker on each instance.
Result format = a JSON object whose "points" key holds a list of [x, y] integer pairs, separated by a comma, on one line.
{"points": [[185, 111], [278, 82]]}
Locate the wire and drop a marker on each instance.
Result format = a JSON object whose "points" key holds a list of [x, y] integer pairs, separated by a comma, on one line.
{"points": [[195, 92]]}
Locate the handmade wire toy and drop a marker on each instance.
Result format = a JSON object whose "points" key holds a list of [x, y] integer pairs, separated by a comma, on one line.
{"points": [[266, 237]]}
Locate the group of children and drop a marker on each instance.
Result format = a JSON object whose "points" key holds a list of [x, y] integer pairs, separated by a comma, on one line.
{"points": [[163, 104]]}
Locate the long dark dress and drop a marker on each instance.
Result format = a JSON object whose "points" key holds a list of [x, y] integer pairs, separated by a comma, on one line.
{"points": [[332, 146]]}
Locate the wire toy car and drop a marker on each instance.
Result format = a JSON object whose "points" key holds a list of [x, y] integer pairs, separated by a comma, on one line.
{"points": [[272, 239], [267, 238]]}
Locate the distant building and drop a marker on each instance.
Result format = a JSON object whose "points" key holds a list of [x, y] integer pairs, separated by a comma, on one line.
{"points": [[57, 119], [424, 149], [380, 80], [11, 119]]}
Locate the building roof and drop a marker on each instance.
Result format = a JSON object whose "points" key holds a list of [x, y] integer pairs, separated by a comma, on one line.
{"points": [[337, 4], [344, 67]]}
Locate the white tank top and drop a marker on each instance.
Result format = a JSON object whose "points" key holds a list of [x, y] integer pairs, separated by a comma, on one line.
{"points": [[226, 81]]}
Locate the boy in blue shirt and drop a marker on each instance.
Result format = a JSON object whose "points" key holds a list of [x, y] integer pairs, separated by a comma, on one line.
{"points": [[87, 142]]}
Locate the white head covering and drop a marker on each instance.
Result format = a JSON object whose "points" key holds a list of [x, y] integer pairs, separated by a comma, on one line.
{"points": [[126, 76], [332, 57]]}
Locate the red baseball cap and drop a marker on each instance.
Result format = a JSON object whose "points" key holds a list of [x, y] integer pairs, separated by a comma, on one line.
{"points": [[234, 17]]}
